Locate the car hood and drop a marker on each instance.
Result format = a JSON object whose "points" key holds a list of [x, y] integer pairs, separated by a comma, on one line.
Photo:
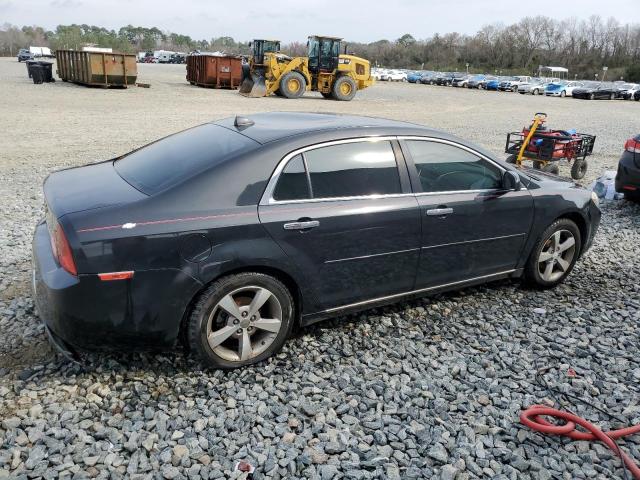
{"points": [[89, 187]]}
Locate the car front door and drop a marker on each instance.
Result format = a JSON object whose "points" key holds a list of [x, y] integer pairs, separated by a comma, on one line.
{"points": [[472, 228], [344, 213]]}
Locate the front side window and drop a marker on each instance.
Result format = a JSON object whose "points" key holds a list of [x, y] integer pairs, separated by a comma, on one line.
{"points": [[446, 168], [344, 170]]}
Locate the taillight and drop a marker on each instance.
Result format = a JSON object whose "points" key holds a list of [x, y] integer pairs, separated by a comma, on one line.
{"points": [[632, 146], [60, 246]]}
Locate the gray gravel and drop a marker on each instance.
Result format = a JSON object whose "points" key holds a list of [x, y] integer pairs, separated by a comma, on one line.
{"points": [[425, 389]]}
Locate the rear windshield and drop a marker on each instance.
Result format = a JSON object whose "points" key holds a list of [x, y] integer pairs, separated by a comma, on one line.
{"points": [[171, 160]]}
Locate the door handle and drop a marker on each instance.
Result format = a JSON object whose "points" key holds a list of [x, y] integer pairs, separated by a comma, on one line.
{"points": [[306, 225], [439, 212]]}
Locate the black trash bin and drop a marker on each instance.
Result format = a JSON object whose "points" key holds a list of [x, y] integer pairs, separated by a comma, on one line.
{"points": [[37, 74], [31, 63], [47, 72]]}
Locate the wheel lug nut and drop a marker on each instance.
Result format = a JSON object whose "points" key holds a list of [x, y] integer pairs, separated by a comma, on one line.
{"points": [[239, 331], [244, 314], [253, 318], [236, 321]]}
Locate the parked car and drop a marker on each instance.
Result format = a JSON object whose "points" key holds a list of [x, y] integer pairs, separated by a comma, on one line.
{"points": [[24, 54], [626, 91], [628, 176], [445, 79], [414, 77], [493, 84], [394, 76], [511, 84], [562, 89], [428, 78], [460, 80], [599, 91], [475, 80], [535, 87], [482, 84], [227, 234]]}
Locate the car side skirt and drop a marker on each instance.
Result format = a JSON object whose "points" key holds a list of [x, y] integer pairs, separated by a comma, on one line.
{"points": [[312, 318]]}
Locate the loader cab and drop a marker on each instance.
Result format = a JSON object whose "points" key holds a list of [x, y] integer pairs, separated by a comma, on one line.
{"points": [[323, 53], [260, 47]]}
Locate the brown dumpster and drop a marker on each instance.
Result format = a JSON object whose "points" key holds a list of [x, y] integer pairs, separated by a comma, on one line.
{"points": [[97, 68], [214, 71]]}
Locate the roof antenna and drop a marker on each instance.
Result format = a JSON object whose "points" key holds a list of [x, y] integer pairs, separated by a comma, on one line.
{"points": [[243, 122]]}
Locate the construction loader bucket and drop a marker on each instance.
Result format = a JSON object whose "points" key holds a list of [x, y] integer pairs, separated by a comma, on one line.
{"points": [[253, 86]]}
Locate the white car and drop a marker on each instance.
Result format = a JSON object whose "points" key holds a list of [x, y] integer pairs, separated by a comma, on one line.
{"points": [[394, 76], [561, 89], [376, 73]]}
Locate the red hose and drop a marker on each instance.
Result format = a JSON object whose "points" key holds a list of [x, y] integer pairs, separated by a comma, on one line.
{"points": [[532, 418]]}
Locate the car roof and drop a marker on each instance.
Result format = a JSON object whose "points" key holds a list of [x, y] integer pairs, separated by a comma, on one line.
{"points": [[273, 126]]}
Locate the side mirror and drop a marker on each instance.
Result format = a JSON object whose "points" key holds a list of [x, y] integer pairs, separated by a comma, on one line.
{"points": [[511, 180]]}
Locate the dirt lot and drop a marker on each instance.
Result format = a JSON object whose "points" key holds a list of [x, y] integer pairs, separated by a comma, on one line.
{"points": [[417, 390]]}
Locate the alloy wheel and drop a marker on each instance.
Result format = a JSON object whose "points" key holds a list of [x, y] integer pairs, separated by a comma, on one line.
{"points": [[556, 255], [244, 323]]}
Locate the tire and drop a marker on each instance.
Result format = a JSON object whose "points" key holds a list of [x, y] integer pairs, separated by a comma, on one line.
{"points": [[511, 159], [542, 273], [237, 292], [579, 168], [535, 91], [592, 96], [551, 167], [563, 94], [612, 96], [292, 85], [344, 89]]}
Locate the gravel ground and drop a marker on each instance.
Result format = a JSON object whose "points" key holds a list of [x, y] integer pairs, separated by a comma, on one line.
{"points": [[424, 389]]}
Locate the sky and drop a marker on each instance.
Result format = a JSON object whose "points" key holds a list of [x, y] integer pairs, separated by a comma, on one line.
{"points": [[294, 20]]}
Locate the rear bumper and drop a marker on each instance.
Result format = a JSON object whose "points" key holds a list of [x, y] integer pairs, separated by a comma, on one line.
{"points": [[86, 313]]}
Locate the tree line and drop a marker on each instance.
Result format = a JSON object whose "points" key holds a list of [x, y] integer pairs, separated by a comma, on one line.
{"points": [[582, 46]]}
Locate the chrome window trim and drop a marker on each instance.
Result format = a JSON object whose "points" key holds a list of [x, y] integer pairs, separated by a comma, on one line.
{"points": [[267, 196]]}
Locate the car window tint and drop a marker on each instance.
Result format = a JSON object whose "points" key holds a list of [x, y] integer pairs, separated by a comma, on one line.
{"points": [[353, 169], [171, 160], [445, 168], [292, 183]]}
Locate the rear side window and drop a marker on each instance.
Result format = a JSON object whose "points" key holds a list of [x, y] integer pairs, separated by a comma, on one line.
{"points": [[446, 168], [353, 169], [293, 183], [171, 160]]}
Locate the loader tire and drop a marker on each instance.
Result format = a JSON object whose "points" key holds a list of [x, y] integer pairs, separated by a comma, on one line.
{"points": [[292, 85], [344, 89]]}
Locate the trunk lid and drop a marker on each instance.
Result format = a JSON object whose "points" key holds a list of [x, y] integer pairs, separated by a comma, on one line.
{"points": [[86, 188]]}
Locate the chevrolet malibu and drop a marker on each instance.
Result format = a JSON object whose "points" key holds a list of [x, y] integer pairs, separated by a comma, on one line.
{"points": [[227, 235]]}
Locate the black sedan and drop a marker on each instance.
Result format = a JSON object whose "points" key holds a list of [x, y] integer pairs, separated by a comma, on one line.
{"points": [[226, 235], [628, 175], [602, 91]]}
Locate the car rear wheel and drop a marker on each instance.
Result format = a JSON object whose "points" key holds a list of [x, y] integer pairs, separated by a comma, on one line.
{"points": [[612, 96], [551, 167], [563, 93], [512, 159], [592, 96], [554, 254], [240, 320], [535, 91]]}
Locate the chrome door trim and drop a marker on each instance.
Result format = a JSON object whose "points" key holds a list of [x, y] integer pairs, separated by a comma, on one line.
{"points": [[363, 257], [267, 196], [474, 241], [421, 290]]}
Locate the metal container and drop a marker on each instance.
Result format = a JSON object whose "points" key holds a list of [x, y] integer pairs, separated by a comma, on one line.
{"points": [[214, 71], [97, 68]]}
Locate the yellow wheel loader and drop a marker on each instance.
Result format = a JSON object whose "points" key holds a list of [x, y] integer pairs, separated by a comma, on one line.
{"points": [[254, 72], [324, 69]]}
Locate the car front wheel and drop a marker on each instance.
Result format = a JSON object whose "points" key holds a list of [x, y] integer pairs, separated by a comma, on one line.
{"points": [[554, 254], [240, 320]]}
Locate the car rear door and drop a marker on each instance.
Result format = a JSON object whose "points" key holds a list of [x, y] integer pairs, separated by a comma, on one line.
{"points": [[471, 227], [344, 213]]}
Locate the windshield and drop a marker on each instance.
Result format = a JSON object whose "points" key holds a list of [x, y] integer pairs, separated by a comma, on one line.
{"points": [[270, 46], [171, 160]]}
